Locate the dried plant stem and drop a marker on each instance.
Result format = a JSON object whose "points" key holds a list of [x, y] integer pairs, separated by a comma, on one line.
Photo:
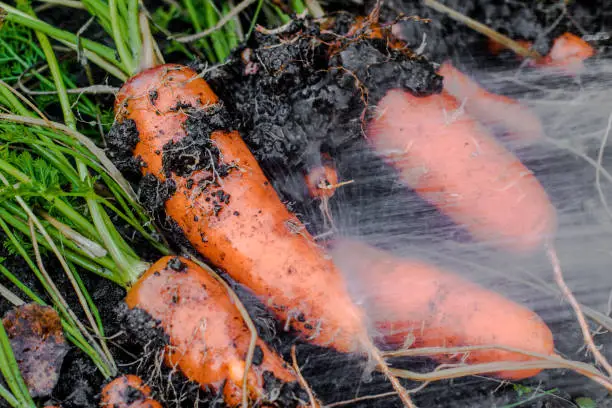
{"points": [[602, 148], [302, 381], [543, 362], [588, 338], [383, 367], [360, 399], [10, 296], [91, 90], [483, 29]]}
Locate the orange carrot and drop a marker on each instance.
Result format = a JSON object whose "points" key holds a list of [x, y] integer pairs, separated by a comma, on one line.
{"points": [[231, 214], [455, 164], [566, 55], [489, 108], [127, 391], [208, 339], [322, 180], [418, 305]]}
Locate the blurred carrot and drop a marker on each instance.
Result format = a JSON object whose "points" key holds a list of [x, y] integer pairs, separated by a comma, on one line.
{"points": [[455, 164], [489, 108], [415, 305], [566, 55]]}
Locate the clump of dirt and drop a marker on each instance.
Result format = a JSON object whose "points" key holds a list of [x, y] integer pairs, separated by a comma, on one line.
{"points": [[38, 342], [310, 87], [197, 151], [121, 141]]}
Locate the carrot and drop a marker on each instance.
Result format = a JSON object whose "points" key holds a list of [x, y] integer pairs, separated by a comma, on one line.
{"points": [[489, 108], [322, 180], [231, 214], [208, 340], [127, 391], [455, 164], [566, 54], [418, 305]]}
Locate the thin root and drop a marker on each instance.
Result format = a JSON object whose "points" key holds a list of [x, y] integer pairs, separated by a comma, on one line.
{"points": [[483, 29], [388, 372], [588, 339], [543, 362], [313, 401]]}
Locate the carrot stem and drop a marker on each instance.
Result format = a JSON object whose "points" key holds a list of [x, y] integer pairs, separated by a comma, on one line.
{"points": [[24, 19], [122, 49], [236, 10], [134, 31], [12, 374], [8, 397]]}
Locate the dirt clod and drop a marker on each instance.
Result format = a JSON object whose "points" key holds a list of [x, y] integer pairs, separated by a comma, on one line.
{"points": [[120, 142], [37, 340]]}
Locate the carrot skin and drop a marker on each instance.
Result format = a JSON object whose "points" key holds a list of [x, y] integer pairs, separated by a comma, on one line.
{"points": [[251, 235], [455, 164], [412, 299], [127, 391], [208, 337]]}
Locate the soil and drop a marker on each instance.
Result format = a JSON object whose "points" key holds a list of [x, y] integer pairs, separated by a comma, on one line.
{"points": [[294, 96]]}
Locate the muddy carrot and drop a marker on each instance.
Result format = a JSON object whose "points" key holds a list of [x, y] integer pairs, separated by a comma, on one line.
{"points": [[127, 391], [208, 339], [496, 111], [414, 304], [455, 164], [227, 208]]}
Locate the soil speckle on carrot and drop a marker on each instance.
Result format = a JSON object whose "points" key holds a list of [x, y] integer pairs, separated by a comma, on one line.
{"points": [[176, 265], [121, 141]]}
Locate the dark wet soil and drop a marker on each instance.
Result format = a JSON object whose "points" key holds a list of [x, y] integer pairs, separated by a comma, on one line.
{"points": [[293, 96]]}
